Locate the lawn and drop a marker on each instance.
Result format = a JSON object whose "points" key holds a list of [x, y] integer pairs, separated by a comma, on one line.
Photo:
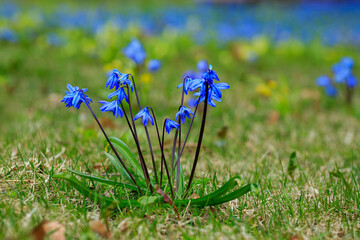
{"points": [[272, 109]]}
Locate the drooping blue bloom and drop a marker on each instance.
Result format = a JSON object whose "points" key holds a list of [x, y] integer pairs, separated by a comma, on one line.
{"points": [[210, 75], [113, 106], [145, 115], [214, 92], [117, 79], [202, 66], [135, 51], [323, 81], [153, 65], [188, 82], [170, 124], [183, 113], [74, 97], [120, 94]]}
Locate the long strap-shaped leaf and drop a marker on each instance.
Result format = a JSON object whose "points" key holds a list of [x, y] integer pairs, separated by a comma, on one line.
{"points": [[96, 197], [208, 200], [106, 181], [126, 152], [205, 201]]}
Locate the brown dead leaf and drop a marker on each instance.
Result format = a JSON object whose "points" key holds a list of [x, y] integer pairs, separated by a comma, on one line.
{"points": [[53, 230], [166, 199], [98, 227], [296, 237]]}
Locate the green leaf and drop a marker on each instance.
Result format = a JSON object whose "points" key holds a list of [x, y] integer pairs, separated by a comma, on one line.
{"points": [[230, 184], [83, 189], [206, 201], [181, 182], [292, 165], [106, 181], [118, 166], [126, 152], [94, 196], [147, 200], [212, 199]]}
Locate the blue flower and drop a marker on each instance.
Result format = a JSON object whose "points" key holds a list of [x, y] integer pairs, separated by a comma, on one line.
{"points": [[202, 66], [116, 79], [323, 81], [341, 72], [145, 115], [192, 74], [343, 69], [192, 102], [331, 91], [54, 39], [113, 107], [347, 62], [8, 35], [135, 51], [214, 92], [351, 81], [74, 97], [169, 124], [120, 93], [210, 75], [188, 82], [153, 65], [184, 112]]}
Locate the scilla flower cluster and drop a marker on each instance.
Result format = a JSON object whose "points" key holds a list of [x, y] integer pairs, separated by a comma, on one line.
{"points": [[342, 74], [207, 89]]}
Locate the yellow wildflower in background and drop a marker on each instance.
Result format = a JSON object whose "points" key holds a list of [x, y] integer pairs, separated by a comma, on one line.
{"points": [[146, 78], [265, 89]]}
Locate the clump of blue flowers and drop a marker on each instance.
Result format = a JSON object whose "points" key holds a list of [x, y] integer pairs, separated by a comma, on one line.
{"points": [[161, 176], [342, 75], [136, 52]]}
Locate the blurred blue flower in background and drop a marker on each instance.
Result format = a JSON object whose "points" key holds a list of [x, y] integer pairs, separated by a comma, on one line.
{"points": [[342, 73], [8, 35], [54, 40], [153, 65], [202, 66], [323, 81], [331, 91], [135, 51]]}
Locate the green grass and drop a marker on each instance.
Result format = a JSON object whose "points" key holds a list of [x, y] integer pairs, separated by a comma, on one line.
{"points": [[40, 137]]}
